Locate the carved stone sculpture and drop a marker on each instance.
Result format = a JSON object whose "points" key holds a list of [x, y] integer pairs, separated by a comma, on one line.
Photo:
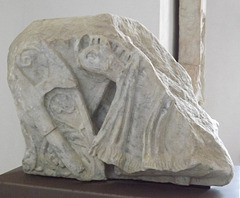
{"points": [[98, 97]]}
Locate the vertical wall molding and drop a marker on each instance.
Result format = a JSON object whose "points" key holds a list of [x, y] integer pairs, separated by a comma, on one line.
{"points": [[191, 53]]}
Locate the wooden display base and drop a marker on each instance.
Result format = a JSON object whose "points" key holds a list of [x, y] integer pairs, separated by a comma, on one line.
{"points": [[16, 184]]}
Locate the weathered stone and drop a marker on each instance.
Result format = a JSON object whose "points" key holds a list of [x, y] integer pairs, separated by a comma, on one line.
{"points": [[98, 97]]}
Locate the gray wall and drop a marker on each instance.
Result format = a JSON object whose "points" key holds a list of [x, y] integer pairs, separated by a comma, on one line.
{"points": [[222, 85]]}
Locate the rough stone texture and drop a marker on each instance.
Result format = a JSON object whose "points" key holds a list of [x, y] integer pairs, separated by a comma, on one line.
{"points": [[98, 97], [192, 19]]}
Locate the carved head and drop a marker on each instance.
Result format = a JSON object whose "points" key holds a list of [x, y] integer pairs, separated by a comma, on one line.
{"points": [[95, 54]]}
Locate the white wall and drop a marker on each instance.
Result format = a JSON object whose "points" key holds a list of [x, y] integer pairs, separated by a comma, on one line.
{"points": [[15, 15], [167, 25], [222, 73]]}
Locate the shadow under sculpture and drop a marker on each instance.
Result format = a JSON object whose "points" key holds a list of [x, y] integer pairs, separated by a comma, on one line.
{"points": [[98, 97]]}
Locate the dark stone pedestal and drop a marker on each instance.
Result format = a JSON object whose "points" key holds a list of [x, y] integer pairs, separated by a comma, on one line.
{"points": [[16, 184]]}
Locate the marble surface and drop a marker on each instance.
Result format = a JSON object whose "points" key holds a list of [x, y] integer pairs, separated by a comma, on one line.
{"points": [[98, 97]]}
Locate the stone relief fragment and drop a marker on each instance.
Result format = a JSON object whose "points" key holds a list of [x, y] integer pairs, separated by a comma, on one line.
{"points": [[98, 97]]}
